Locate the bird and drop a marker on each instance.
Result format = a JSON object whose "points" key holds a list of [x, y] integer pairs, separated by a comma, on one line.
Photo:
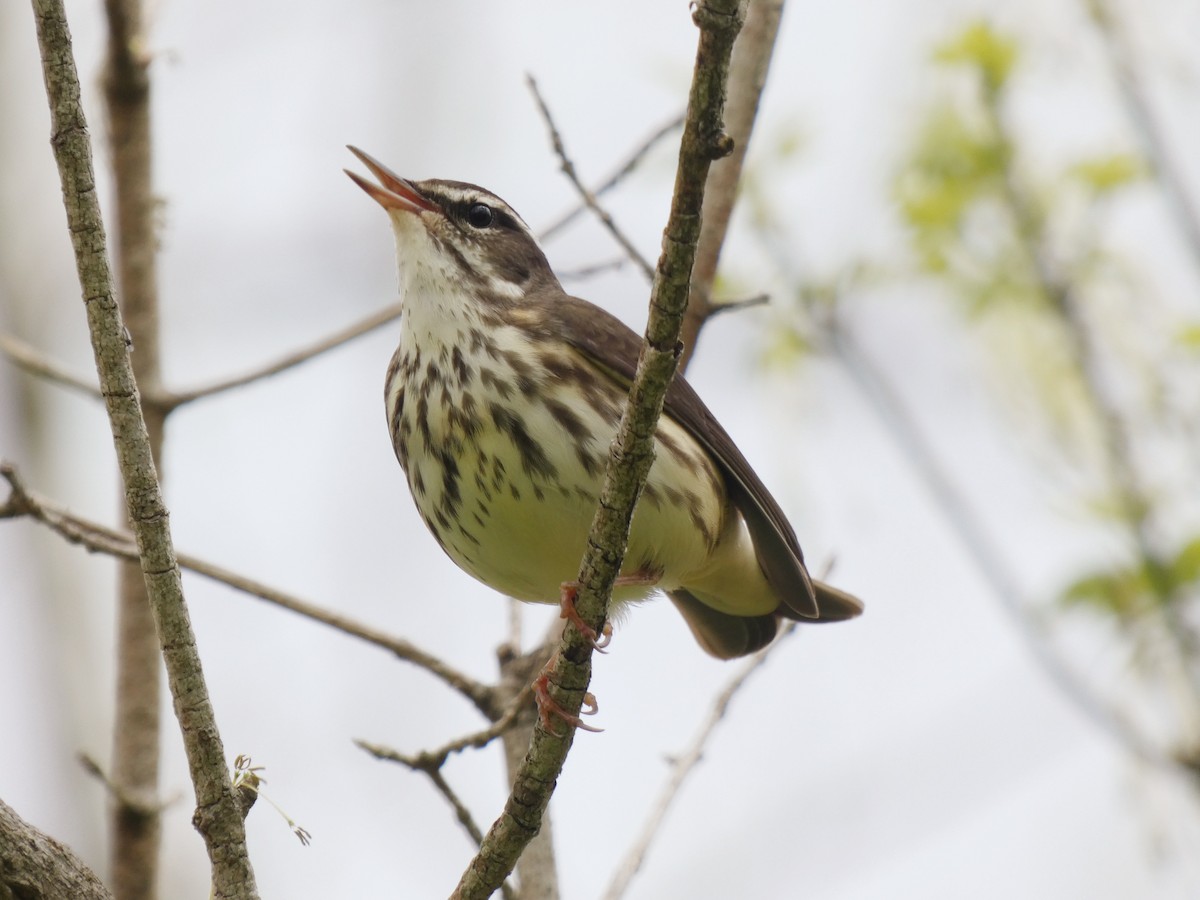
{"points": [[502, 399]]}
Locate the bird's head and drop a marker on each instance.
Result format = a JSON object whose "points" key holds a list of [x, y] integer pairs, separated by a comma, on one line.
{"points": [[459, 233]]}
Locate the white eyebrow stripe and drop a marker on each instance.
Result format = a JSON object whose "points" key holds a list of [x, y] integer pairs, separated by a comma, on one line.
{"points": [[459, 194]]}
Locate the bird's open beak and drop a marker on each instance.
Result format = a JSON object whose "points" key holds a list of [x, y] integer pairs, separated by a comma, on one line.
{"points": [[392, 192]]}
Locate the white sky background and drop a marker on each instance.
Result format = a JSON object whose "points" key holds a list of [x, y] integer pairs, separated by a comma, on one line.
{"points": [[919, 752]]}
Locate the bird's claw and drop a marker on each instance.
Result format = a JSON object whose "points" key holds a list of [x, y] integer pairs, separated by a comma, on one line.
{"points": [[570, 590], [549, 709]]}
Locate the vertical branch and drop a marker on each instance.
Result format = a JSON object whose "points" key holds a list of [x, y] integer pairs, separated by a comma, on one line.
{"points": [[218, 814], [537, 871], [1135, 501], [747, 76], [1140, 110], [704, 141], [136, 725]]}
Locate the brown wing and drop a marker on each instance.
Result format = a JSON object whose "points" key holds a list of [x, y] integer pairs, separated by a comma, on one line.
{"points": [[613, 346]]}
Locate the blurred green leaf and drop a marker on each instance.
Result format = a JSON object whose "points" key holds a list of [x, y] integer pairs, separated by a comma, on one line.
{"points": [[786, 347], [1122, 592], [1189, 336], [1129, 591], [954, 167], [1185, 567], [980, 45], [1104, 174]]}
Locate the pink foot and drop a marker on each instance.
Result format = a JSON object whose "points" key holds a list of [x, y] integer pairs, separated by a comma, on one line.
{"points": [[566, 601], [548, 709], [570, 591]]}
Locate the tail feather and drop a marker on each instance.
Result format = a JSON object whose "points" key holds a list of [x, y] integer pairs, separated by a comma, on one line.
{"points": [[720, 634], [833, 605]]}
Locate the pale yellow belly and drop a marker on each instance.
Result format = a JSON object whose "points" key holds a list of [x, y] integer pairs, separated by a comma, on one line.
{"points": [[510, 492]]}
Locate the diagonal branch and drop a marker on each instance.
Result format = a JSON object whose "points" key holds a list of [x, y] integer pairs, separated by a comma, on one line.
{"points": [[218, 815], [33, 361], [875, 387], [631, 162], [101, 539], [683, 766], [287, 361], [631, 453], [435, 759], [1140, 110], [589, 199]]}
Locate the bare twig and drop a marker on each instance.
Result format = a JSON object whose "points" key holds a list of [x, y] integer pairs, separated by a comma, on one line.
{"points": [[37, 363], [218, 817], [33, 361], [1141, 112], [288, 361], [144, 804], [435, 759], [682, 766], [632, 450], [102, 539], [568, 168], [432, 768], [631, 162], [611, 265], [726, 306]]}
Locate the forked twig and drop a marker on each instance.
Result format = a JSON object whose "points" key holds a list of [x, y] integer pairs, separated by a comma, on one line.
{"points": [[631, 162], [435, 759], [568, 169]]}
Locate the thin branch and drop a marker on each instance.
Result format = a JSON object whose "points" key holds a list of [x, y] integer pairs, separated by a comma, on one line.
{"points": [[465, 818], [876, 388], [682, 767], [435, 759], [33, 361], [287, 361], [141, 804], [568, 168], [631, 452], [747, 77], [218, 816], [630, 163], [1141, 112], [432, 767], [1116, 438], [30, 359], [102, 539], [583, 272], [727, 306]]}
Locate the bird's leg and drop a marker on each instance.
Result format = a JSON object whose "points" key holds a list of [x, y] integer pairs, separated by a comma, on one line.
{"points": [[549, 709], [570, 591]]}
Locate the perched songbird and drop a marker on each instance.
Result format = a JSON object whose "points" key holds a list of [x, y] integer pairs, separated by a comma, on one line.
{"points": [[502, 400]]}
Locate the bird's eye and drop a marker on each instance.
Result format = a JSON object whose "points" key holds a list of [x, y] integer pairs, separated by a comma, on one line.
{"points": [[480, 215]]}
